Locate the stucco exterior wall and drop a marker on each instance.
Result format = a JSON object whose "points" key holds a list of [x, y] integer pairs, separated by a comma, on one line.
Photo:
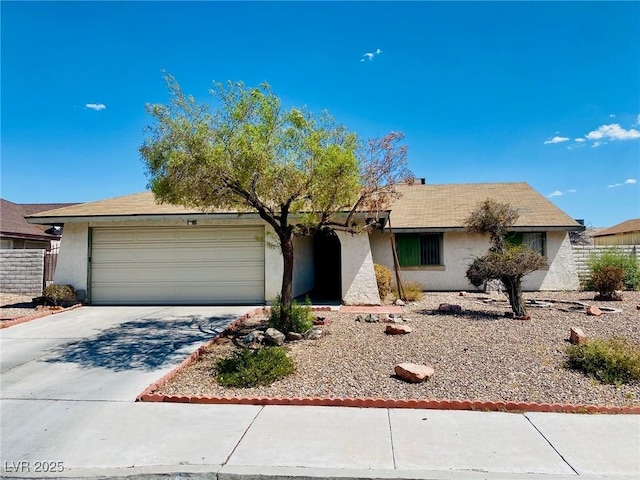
{"points": [[359, 286], [73, 256], [459, 248], [303, 268], [562, 273]]}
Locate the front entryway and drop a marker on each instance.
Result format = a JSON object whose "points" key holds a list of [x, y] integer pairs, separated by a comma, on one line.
{"points": [[327, 267]]}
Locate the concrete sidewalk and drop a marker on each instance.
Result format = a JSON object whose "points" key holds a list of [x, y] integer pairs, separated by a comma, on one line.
{"points": [[98, 439]]}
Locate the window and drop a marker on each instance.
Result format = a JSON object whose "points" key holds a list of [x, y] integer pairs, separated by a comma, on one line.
{"points": [[536, 241], [419, 249]]}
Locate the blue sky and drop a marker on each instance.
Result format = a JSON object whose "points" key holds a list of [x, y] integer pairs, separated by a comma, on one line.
{"points": [[542, 92]]}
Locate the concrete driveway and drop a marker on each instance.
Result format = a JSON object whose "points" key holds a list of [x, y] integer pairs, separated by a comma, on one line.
{"points": [[103, 353]]}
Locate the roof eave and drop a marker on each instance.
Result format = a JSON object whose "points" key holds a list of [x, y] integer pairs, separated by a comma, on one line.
{"points": [[522, 228]]}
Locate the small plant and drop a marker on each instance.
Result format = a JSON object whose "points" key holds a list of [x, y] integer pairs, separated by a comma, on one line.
{"points": [[606, 281], [300, 316], [252, 368], [56, 294], [614, 257], [613, 361], [412, 292], [383, 278]]}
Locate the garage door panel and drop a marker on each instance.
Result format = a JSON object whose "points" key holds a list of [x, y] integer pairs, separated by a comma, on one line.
{"points": [[177, 265]]}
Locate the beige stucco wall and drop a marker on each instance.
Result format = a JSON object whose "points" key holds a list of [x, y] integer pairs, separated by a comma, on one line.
{"points": [[459, 248], [359, 285], [303, 269], [73, 256]]}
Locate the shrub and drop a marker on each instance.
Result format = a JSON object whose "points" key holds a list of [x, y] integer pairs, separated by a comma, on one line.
{"points": [[613, 360], [615, 257], [251, 368], [383, 278], [56, 293], [301, 316], [412, 292], [607, 280]]}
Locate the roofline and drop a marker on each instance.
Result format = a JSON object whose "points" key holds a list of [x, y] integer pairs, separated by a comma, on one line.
{"points": [[29, 236], [54, 220], [523, 228]]}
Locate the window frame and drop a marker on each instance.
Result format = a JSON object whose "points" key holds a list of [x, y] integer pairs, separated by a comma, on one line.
{"points": [[419, 250], [520, 236]]}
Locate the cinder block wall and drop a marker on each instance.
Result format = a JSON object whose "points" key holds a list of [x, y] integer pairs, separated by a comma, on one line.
{"points": [[582, 253], [21, 271]]}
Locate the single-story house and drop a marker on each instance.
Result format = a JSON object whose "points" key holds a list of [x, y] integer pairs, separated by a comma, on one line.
{"points": [[625, 233], [131, 250], [17, 233]]}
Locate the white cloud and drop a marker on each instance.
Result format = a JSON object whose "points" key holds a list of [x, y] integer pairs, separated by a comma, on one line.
{"points": [[378, 51], [572, 190], [612, 115], [557, 193], [367, 56], [613, 131], [556, 140], [614, 185], [95, 106], [596, 144], [631, 181], [580, 140]]}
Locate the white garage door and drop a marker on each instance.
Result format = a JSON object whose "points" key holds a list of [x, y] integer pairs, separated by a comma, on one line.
{"points": [[177, 265]]}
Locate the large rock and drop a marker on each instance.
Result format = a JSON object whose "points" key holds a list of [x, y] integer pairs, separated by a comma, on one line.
{"points": [[274, 337], [313, 334], [368, 318], [593, 310], [395, 329], [577, 336], [293, 336], [449, 308], [399, 302], [414, 373]]}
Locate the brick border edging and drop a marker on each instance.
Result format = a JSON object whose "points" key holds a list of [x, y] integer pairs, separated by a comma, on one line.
{"points": [[28, 318], [148, 394]]}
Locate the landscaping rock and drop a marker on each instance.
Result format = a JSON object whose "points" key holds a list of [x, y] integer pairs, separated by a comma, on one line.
{"points": [[254, 337], [394, 329], [293, 336], [274, 337], [391, 318], [463, 294], [399, 302], [593, 310], [414, 373], [577, 336], [313, 334], [368, 318], [449, 308]]}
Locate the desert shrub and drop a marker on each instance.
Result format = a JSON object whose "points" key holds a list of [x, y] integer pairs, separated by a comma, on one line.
{"points": [[383, 278], [607, 280], [251, 368], [613, 360], [412, 292], [56, 293], [614, 257], [300, 316]]}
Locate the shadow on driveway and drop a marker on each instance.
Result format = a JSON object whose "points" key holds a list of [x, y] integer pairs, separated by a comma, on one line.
{"points": [[143, 344]]}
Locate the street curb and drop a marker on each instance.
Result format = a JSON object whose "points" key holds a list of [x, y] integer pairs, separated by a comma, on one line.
{"points": [[28, 318], [148, 394]]}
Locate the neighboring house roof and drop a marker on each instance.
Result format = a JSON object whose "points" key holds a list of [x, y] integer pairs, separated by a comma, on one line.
{"points": [[632, 225], [420, 206], [14, 225], [441, 207]]}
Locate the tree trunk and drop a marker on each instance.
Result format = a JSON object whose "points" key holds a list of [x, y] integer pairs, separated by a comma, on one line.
{"points": [[513, 286], [286, 246]]}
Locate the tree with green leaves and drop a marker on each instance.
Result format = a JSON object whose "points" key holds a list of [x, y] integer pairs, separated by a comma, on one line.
{"points": [[297, 170], [505, 262]]}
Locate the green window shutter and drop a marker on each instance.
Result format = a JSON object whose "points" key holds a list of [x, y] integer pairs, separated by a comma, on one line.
{"points": [[514, 238], [408, 249]]}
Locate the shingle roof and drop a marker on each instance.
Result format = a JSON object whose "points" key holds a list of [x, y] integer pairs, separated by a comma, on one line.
{"points": [[632, 225], [447, 206], [421, 206], [13, 224]]}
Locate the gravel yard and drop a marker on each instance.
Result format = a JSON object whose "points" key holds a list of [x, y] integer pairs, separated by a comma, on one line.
{"points": [[478, 354], [13, 305]]}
